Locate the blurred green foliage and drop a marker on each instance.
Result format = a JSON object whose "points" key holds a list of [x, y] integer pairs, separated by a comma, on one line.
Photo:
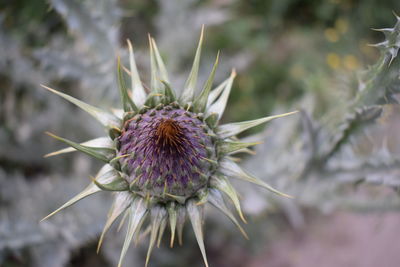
{"points": [[32, 21], [297, 46]]}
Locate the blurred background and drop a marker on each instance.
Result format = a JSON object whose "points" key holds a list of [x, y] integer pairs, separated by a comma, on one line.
{"points": [[339, 157]]}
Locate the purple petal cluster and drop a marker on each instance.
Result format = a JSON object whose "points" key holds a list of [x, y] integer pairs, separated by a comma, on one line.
{"points": [[166, 151]]}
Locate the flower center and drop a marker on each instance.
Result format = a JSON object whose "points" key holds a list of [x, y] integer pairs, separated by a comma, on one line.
{"points": [[169, 134], [166, 152]]}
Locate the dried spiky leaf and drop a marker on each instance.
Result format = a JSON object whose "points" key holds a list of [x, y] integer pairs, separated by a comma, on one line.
{"points": [[105, 175], [127, 102], [161, 69], [137, 211], [162, 230], [103, 117], [181, 218], [219, 105], [101, 153], [138, 92], [172, 215], [201, 101], [154, 79], [121, 203], [215, 93], [105, 142], [190, 85], [231, 129], [119, 184], [231, 169], [158, 215], [217, 200], [222, 184], [230, 147], [196, 218]]}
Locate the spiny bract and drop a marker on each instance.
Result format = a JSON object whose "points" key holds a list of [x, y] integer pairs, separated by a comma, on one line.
{"points": [[165, 156]]}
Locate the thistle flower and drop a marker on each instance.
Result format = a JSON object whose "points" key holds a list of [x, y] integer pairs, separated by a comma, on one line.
{"points": [[165, 155]]}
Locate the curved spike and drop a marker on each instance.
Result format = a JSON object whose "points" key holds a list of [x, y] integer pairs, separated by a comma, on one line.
{"points": [[196, 218], [219, 105], [230, 147], [105, 142], [215, 93], [154, 79], [230, 168], [106, 174], [127, 102], [119, 184], [201, 101], [157, 216], [101, 153], [217, 201], [138, 92], [169, 95], [384, 30], [137, 212], [222, 184], [190, 85], [162, 230], [126, 213], [105, 118], [380, 45], [162, 70], [172, 215], [139, 236], [121, 203], [231, 129], [181, 218]]}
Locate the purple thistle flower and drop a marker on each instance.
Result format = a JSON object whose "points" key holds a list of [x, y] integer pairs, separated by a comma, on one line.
{"points": [[166, 156]]}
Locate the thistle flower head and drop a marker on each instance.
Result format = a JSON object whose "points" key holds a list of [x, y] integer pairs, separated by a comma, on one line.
{"points": [[168, 152], [165, 156]]}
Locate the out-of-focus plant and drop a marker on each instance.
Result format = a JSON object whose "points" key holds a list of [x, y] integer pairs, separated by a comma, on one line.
{"points": [[352, 145]]}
